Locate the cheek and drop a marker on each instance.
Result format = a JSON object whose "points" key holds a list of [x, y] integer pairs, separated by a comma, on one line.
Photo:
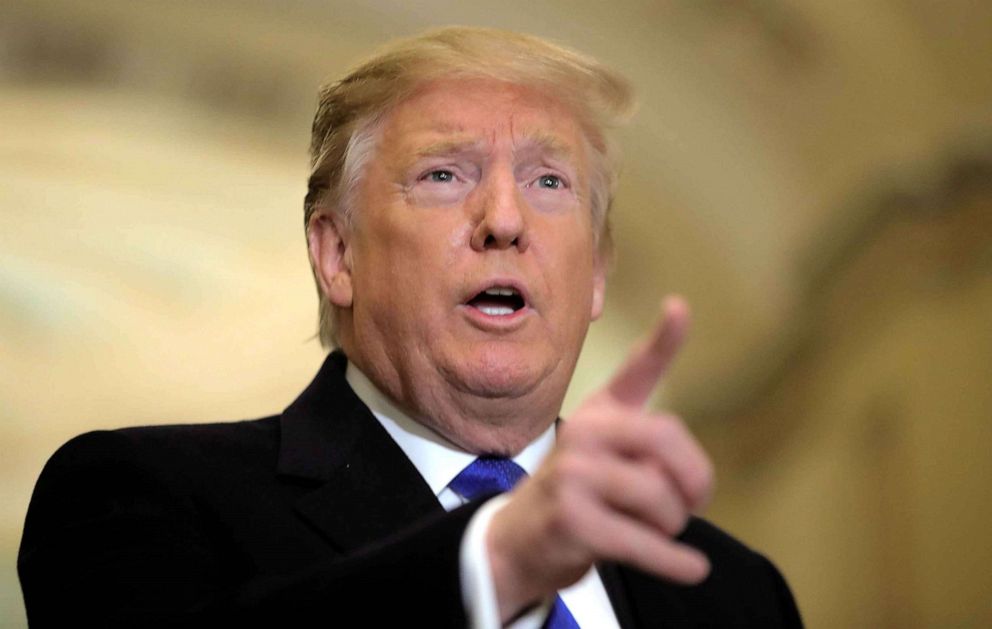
{"points": [[414, 267], [457, 242], [572, 273], [567, 244], [377, 270]]}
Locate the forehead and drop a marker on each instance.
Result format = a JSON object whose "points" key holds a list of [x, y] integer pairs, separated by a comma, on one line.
{"points": [[482, 113]]}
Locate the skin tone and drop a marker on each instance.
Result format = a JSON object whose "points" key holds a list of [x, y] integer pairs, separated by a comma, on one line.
{"points": [[619, 485], [478, 185], [473, 185]]}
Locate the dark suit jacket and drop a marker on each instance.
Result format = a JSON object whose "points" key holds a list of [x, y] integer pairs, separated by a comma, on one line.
{"points": [[314, 517]]}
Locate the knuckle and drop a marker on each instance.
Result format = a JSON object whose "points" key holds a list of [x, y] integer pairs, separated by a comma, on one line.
{"points": [[650, 484], [578, 432], [623, 547], [565, 519], [708, 475], [569, 467], [671, 512], [699, 481], [668, 429], [680, 520]]}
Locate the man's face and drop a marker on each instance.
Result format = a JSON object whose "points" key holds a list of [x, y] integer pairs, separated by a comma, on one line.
{"points": [[472, 256]]}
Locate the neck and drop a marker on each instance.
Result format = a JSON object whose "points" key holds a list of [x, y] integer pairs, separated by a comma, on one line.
{"points": [[477, 424]]}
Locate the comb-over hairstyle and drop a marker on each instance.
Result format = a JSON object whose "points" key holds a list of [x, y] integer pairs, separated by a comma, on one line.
{"points": [[349, 111]]}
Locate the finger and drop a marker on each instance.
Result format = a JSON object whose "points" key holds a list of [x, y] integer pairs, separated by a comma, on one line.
{"points": [[666, 442], [642, 492], [615, 536], [639, 374]]}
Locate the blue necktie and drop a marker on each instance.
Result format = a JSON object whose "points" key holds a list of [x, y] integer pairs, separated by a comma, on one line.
{"points": [[490, 474]]}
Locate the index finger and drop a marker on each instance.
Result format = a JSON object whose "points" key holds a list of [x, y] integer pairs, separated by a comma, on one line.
{"points": [[647, 363]]}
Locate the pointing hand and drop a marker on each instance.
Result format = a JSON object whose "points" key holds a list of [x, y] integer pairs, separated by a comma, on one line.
{"points": [[619, 485]]}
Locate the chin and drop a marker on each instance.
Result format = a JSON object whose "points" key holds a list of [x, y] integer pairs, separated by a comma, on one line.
{"points": [[502, 373]]}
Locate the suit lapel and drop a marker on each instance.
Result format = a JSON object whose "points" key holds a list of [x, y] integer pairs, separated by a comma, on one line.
{"points": [[366, 487], [616, 590], [642, 601]]}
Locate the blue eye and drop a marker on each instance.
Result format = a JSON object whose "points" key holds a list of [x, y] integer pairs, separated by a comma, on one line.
{"points": [[441, 176], [552, 182]]}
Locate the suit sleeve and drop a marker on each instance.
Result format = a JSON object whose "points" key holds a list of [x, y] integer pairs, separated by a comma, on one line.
{"points": [[110, 542]]}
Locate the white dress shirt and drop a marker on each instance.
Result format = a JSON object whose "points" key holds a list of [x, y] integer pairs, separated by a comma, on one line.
{"points": [[439, 461]]}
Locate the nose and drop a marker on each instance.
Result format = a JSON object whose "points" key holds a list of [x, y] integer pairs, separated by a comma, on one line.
{"points": [[502, 222]]}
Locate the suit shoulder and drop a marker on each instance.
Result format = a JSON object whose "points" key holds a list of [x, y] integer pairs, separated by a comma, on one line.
{"points": [[713, 540], [730, 557], [137, 441], [738, 572], [164, 449], [99, 471]]}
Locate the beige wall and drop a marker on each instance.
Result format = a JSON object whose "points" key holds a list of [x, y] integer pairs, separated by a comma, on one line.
{"points": [[863, 465], [814, 176]]}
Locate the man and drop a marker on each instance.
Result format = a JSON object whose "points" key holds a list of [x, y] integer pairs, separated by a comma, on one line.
{"points": [[456, 222]]}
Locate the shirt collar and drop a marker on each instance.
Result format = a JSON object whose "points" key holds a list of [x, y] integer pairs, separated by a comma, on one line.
{"points": [[437, 459]]}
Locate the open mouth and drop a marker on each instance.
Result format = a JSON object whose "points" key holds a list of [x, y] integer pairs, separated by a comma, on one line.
{"points": [[498, 301]]}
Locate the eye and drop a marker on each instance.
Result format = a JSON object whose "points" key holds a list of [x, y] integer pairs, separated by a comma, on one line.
{"points": [[441, 184], [550, 190], [440, 176]]}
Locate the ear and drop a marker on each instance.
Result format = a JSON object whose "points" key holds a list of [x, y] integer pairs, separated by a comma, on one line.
{"points": [[598, 286], [330, 257]]}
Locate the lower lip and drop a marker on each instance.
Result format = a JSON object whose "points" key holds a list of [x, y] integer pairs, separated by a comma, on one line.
{"points": [[503, 323]]}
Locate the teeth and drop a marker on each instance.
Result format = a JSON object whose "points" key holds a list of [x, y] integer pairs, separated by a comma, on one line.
{"points": [[498, 290], [496, 311]]}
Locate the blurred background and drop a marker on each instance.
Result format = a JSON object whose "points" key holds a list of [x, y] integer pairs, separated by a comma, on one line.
{"points": [[816, 178]]}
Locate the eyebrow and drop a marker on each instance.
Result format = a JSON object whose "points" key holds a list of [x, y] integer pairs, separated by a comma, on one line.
{"points": [[546, 143], [537, 143], [453, 146]]}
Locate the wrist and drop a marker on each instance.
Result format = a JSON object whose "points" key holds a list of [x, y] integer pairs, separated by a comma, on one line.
{"points": [[517, 583]]}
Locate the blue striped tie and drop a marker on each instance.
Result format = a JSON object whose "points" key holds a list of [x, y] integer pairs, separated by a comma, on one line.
{"points": [[488, 475]]}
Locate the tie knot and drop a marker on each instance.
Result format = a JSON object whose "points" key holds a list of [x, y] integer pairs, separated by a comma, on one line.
{"points": [[486, 475]]}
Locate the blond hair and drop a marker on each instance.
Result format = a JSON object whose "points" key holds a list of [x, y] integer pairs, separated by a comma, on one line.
{"points": [[344, 133]]}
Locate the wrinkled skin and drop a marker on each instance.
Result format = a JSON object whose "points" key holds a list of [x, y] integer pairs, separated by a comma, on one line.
{"points": [[477, 184], [472, 184]]}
